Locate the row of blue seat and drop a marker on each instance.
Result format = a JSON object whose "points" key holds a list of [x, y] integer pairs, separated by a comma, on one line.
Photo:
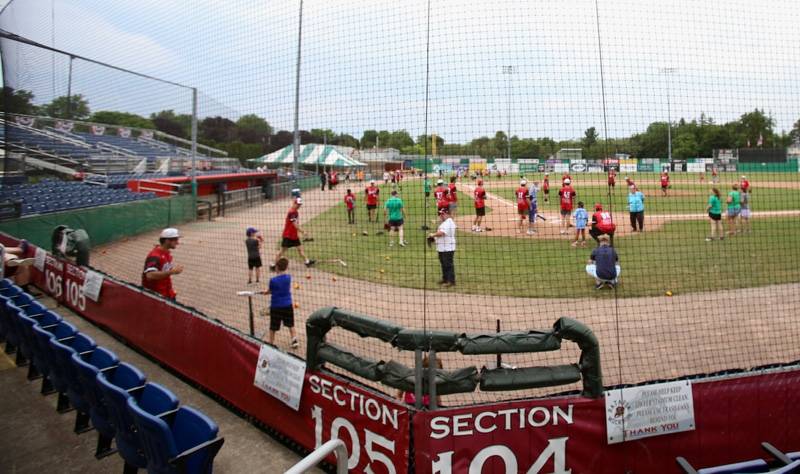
{"points": [[785, 463], [49, 196], [152, 430]]}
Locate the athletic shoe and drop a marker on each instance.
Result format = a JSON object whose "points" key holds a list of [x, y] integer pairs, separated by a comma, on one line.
{"points": [[403, 243], [599, 285], [530, 232], [583, 244], [478, 230], [448, 284], [295, 343], [441, 282], [310, 262], [574, 244], [563, 232], [391, 244], [709, 239]]}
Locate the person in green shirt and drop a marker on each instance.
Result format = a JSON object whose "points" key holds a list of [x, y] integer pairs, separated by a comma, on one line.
{"points": [[734, 207], [395, 214], [714, 210], [427, 186]]}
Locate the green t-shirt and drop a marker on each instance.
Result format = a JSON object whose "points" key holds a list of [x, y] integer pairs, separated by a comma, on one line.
{"points": [[734, 204], [716, 205], [427, 185], [395, 207]]}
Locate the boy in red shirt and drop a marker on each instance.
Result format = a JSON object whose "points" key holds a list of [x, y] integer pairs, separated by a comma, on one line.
{"points": [[291, 234], [612, 178], [452, 197], [350, 202], [479, 195], [567, 195], [372, 193], [664, 182], [602, 223], [522, 204], [744, 184], [546, 187]]}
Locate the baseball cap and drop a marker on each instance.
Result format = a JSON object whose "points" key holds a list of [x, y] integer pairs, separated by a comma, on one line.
{"points": [[169, 233], [251, 231], [567, 181], [523, 182], [744, 177], [598, 206], [372, 182], [440, 181]]}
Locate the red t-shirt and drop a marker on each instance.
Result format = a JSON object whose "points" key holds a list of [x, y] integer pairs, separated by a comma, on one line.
{"points": [[349, 200], [372, 193], [159, 260], [567, 196], [612, 178], [745, 185], [451, 193], [290, 226], [480, 196], [440, 194], [522, 198], [664, 181], [546, 184], [604, 221]]}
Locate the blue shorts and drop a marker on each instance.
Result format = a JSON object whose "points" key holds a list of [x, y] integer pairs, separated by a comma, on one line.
{"points": [[532, 212], [580, 226]]}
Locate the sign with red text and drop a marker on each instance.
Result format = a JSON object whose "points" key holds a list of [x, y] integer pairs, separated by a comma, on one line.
{"points": [[649, 410]]}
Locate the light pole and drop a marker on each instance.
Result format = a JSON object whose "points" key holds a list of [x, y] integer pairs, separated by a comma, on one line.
{"points": [[509, 70], [668, 71]]}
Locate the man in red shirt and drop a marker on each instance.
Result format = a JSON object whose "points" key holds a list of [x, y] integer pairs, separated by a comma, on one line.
{"points": [[602, 223], [664, 182], [158, 266], [479, 195], [522, 204], [372, 193], [350, 202], [567, 195], [452, 197], [291, 234], [440, 196], [546, 187]]}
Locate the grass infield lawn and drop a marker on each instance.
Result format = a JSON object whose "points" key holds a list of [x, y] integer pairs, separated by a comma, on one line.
{"points": [[675, 257], [681, 198]]}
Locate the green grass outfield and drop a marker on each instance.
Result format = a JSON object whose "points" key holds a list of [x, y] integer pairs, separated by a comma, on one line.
{"points": [[674, 258]]}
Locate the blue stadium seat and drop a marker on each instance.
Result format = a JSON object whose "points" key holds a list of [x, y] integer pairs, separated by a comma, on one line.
{"points": [[80, 343], [752, 466], [63, 332], [77, 397], [185, 442], [101, 360], [9, 313]]}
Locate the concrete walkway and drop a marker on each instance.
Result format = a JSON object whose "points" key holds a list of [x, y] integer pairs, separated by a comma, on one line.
{"points": [[35, 439]]}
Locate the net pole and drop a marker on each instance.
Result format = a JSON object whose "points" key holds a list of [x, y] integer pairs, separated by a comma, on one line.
{"points": [[69, 89], [194, 143], [296, 146]]}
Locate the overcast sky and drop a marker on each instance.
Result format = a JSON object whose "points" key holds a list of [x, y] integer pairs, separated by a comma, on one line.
{"points": [[364, 61]]}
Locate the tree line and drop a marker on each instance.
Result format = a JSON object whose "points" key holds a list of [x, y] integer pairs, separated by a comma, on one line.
{"points": [[251, 136]]}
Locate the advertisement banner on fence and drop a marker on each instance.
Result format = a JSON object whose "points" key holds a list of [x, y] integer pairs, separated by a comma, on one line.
{"points": [[627, 168], [561, 167], [696, 167]]}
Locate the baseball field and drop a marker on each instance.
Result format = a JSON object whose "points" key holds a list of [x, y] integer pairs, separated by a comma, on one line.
{"points": [[710, 322]]}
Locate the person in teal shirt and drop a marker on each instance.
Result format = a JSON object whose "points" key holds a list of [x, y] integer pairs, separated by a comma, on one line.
{"points": [[734, 207], [714, 210], [427, 186], [395, 214], [636, 207]]}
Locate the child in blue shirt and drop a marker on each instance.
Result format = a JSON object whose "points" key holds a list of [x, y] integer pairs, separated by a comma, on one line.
{"points": [[581, 219], [281, 309]]}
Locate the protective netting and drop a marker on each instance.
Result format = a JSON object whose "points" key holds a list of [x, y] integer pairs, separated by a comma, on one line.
{"points": [[610, 93]]}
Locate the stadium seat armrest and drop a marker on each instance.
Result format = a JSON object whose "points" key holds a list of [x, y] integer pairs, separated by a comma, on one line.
{"points": [[49, 326], [776, 453], [168, 415], [212, 447], [684, 464], [85, 353], [64, 339], [135, 390], [110, 367]]}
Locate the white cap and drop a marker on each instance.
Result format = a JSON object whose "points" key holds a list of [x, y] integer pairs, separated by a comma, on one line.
{"points": [[169, 233], [744, 177], [441, 181], [523, 182], [372, 182], [567, 181]]}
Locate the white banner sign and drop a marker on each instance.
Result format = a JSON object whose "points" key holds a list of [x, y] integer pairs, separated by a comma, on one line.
{"points": [[124, 132], [92, 283], [650, 410], [280, 375], [147, 134], [98, 129], [64, 125], [561, 168], [627, 168], [39, 258], [696, 167]]}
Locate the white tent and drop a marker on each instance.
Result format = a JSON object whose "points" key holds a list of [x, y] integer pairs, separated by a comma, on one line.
{"points": [[311, 154]]}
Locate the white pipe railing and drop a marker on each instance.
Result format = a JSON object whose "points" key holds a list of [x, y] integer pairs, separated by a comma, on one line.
{"points": [[332, 446]]}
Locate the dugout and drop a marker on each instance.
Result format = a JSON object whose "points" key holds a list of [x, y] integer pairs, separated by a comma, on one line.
{"points": [[206, 185]]}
